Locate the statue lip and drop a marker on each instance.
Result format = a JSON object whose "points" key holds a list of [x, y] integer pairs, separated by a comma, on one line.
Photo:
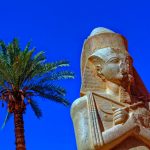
{"points": [[127, 77]]}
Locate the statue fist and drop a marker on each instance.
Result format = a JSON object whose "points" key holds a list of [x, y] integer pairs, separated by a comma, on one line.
{"points": [[120, 115]]}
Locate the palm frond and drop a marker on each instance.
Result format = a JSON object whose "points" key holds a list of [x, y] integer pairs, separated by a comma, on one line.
{"points": [[55, 98], [38, 69], [35, 108], [3, 48], [39, 57], [47, 88], [62, 63], [52, 96], [8, 116], [59, 76], [27, 47]]}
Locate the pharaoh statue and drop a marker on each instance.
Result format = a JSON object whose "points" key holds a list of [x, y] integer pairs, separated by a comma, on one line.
{"points": [[113, 110]]}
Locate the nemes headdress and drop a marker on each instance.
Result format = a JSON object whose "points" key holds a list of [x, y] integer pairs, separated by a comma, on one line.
{"points": [[101, 39]]}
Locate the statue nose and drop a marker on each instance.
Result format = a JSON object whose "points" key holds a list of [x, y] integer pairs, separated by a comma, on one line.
{"points": [[124, 67]]}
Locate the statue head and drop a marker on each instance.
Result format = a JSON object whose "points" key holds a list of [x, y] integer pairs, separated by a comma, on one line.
{"points": [[104, 58], [102, 45]]}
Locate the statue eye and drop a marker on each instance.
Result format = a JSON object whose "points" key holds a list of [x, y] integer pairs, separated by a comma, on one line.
{"points": [[115, 61]]}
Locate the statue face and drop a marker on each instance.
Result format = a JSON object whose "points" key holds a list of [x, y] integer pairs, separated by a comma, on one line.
{"points": [[113, 65], [117, 69]]}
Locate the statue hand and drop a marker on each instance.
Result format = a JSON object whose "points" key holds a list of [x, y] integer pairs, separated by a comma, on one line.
{"points": [[120, 115]]}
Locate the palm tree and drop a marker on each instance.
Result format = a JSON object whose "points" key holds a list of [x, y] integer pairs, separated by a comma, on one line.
{"points": [[25, 76]]}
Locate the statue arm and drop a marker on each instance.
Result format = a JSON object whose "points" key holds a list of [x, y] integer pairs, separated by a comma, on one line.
{"points": [[79, 114], [118, 133], [87, 123]]}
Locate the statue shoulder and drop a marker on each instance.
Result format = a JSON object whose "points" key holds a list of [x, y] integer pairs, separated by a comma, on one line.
{"points": [[80, 100], [79, 104]]}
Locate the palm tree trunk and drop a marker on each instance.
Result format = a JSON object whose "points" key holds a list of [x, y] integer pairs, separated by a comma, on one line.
{"points": [[19, 130]]}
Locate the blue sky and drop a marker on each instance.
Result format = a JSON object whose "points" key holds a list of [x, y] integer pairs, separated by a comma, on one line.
{"points": [[60, 28]]}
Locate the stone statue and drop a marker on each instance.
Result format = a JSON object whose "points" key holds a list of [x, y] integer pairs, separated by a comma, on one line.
{"points": [[113, 110]]}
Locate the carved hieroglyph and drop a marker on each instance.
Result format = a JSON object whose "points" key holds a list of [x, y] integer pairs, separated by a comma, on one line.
{"points": [[113, 110]]}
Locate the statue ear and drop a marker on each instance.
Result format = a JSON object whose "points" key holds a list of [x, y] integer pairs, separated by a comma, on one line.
{"points": [[99, 72], [98, 63], [96, 60], [98, 68]]}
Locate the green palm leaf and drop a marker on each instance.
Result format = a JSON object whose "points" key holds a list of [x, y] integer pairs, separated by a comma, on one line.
{"points": [[8, 116], [35, 108]]}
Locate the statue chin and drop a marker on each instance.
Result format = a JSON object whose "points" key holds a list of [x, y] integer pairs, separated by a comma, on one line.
{"points": [[112, 112]]}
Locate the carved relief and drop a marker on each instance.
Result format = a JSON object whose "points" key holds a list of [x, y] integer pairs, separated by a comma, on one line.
{"points": [[114, 101]]}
